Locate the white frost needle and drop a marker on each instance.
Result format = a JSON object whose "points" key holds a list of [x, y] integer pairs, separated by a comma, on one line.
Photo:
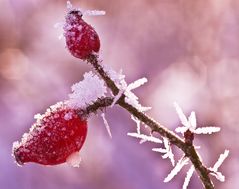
{"points": [[192, 120], [145, 137], [137, 83], [94, 13], [188, 177], [220, 160], [183, 161], [181, 115], [167, 152], [214, 169], [117, 97], [106, 125], [207, 130], [137, 123]]}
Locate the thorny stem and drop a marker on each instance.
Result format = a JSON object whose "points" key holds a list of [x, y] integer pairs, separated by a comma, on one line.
{"points": [[187, 148]]}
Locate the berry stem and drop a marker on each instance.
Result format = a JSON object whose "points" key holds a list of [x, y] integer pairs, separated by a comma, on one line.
{"points": [[187, 148]]}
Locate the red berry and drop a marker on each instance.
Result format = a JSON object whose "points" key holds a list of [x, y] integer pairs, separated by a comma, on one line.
{"points": [[81, 38], [56, 134]]}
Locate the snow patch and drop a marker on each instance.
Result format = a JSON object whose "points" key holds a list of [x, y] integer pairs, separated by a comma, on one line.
{"points": [[86, 91]]}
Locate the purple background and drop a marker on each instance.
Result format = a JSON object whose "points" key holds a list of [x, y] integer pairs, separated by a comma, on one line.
{"points": [[187, 49]]}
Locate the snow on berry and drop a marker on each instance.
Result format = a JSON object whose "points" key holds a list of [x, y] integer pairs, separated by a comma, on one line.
{"points": [[81, 38], [54, 136], [86, 91]]}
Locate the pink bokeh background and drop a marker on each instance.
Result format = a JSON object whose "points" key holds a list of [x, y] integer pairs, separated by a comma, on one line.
{"points": [[187, 49]]}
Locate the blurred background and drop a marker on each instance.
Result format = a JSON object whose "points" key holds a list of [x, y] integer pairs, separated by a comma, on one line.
{"points": [[187, 49]]}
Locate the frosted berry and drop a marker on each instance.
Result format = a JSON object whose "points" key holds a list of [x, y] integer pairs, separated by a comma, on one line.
{"points": [[81, 38], [54, 136]]}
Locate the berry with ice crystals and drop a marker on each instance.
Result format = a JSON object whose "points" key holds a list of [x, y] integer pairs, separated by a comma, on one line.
{"points": [[56, 135], [81, 38]]}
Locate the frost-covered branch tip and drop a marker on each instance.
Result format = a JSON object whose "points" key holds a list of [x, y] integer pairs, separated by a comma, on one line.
{"points": [[190, 123]]}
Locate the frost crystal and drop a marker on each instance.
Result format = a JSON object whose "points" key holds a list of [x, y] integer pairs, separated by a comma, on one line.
{"points": [[145, 137], [69, 5], [86, 91], [214, 169], [68, 116], [125, 89], [191, 123], [137, 123], [137, 83], [167, 151], [188, 177], [74, 159], [106, 125], [183, 161], [94, 13]]}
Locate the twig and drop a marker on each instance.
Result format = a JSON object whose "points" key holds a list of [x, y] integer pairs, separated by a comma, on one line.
{"points": [[187, 148]]}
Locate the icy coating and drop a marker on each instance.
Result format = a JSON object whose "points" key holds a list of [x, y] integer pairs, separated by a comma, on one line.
{"points": [[54, 136], [87, 91]]}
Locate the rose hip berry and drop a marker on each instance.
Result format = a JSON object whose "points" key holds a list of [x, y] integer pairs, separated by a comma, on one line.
{"points": [[81, 38], [54, 136]]}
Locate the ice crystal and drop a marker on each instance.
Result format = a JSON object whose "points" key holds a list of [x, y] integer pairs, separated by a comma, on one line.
{"points": [[87, 91], [214, 169], [94, 13], [125, 89], [137, 121], [191, 123], [145, 137], [106, 125], [183, 161], [188, 177], [69, 5], [167, 151]]}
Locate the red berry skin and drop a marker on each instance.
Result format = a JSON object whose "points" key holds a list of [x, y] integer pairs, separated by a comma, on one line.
{"points": [[81, 38], [56, 134]]}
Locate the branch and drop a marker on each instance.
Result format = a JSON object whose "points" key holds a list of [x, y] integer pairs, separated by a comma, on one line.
{"points": [[187, 148]]}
